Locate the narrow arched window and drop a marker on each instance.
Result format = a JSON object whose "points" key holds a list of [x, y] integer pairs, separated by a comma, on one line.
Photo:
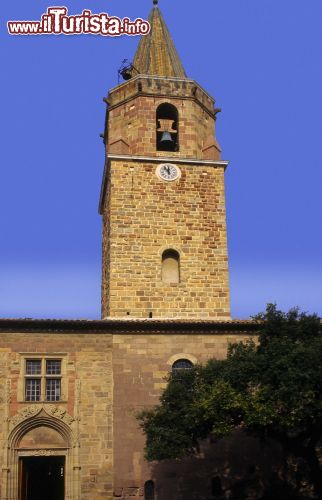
{"points": [[170, 266], [149, 493], [167, 128], [181, 364]]}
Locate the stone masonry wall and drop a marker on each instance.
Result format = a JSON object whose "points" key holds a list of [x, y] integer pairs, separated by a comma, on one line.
{"points": [[141, 364], [88, 361], [146, 216], [133, 119]]}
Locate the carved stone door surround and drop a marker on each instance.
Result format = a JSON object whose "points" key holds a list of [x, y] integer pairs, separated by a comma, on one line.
{"points": [[27, 420]]}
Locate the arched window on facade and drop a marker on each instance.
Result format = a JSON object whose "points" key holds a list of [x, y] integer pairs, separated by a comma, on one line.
{"points": [[181, 364], [170, 266], [149, 491], [167, 128]]}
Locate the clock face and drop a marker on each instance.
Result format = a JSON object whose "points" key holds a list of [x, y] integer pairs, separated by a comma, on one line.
{"points": [[168, 172]]}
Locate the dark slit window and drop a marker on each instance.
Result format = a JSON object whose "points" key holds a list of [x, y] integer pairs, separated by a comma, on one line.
{"points": [[216, 488], [149, 493]]}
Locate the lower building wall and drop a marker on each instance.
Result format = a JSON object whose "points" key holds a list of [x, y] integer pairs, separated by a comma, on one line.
{"points": [[106, 379], [141, 364], [234, 468], [78, 427]]}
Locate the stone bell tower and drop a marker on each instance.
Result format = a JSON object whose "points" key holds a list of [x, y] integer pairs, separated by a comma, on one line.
{"points": [[162, 198]]}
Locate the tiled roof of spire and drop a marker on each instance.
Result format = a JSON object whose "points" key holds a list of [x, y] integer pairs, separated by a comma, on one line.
{"points": [[156, 53]]}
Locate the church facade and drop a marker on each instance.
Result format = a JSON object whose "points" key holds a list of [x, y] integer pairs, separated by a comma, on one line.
{"points": [[70, 390]]}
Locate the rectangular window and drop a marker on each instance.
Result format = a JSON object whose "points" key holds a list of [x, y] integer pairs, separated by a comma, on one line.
{"points": [[43, 379], [33, 389], [53, 366], [33, 367], [53, 389]]}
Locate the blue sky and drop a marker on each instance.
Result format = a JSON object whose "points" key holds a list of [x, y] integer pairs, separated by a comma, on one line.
{"points": [[261, 60]]}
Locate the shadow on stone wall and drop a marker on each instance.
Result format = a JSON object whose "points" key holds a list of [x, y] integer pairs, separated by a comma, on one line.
{"points": [[238, 468]]}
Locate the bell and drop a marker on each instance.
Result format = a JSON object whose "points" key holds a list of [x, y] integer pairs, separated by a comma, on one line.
{"points": [[166, 137], [126, 73]]}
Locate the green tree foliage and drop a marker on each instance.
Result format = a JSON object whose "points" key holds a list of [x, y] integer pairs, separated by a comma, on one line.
{"points": [[270, 386]]}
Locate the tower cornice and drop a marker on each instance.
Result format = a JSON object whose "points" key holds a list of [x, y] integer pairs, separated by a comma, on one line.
{"points": [[169, 159], [162, 79]]}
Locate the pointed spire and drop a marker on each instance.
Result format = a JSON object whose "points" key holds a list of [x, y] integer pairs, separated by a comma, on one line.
{"points": [[156, 53]]}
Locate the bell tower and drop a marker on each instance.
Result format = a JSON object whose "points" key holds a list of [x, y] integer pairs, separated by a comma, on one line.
{"points": [[162, 198]]}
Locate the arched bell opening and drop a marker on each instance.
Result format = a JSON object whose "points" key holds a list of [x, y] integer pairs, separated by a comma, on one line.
{"points": [[167, 128]]}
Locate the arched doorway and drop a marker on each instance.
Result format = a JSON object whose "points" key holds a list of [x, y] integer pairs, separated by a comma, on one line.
{"points": [[42, 456], [42, 453], [42, 477]]}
